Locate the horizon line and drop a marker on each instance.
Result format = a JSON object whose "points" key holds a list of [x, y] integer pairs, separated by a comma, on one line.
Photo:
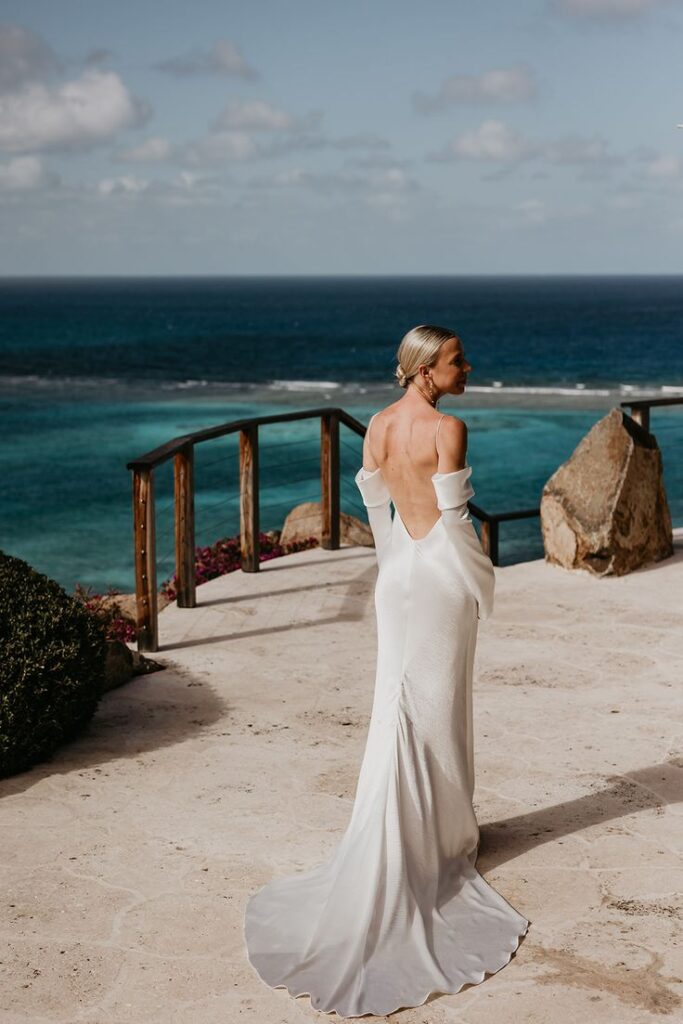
{"points": [[335, 276]]}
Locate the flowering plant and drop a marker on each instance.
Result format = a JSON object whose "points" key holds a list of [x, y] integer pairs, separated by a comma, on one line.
{"points": [[225, 556], [119, 625]]}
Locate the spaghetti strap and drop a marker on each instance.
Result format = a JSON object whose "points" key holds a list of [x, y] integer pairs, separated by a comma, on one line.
{"points": [[436, 436], [367, 430]]}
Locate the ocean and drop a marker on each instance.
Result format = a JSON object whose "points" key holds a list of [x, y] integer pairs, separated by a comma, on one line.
{"points": [[94, 372]]}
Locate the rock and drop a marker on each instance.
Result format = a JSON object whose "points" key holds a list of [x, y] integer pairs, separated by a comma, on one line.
{"points": [[605, 508], [121, 664], [305, 520], [118, 666], [142, 666], [122, 604], [125, 605]]}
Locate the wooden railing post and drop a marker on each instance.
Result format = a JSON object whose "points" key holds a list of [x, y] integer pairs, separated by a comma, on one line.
{"points": [[249, 499], [329, 481], [489, 539], [641, 414], [183, 471], [145, 560]]}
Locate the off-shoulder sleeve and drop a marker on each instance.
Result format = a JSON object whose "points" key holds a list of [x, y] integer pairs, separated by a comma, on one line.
{"points": [[377, 500], [453, 491], [372, 486]]}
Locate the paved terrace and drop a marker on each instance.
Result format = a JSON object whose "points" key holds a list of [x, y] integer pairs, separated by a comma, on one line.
{"points": [[128, 858]]}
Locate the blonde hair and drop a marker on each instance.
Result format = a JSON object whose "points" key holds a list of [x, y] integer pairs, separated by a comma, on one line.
{"points": [[419, 345]]}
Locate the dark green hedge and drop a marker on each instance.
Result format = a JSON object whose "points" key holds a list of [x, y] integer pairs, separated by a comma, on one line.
{"points": [[52, 653]]}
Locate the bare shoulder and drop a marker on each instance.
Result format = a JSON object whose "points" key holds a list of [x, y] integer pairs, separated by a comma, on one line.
{"points": [[453, 427], [452, 443]]}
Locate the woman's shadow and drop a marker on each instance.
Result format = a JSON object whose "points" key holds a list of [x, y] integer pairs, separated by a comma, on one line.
{"points": [[652, 787]]}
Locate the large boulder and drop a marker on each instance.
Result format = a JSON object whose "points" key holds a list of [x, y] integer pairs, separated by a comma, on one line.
{"points": [[605, 508], [305, 520]]}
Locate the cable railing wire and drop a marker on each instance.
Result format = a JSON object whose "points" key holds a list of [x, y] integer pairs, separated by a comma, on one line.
{"points": [[293, 462], [285, 444]]}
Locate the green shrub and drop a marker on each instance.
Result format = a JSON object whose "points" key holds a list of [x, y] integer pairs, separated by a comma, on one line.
{"points": [[52, 654]]}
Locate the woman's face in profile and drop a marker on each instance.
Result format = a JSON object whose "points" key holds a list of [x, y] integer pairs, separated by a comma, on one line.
{"points": [[451, 368]]}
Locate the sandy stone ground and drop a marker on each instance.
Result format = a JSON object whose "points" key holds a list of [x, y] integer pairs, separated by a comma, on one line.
{"points": [[128, 858]]}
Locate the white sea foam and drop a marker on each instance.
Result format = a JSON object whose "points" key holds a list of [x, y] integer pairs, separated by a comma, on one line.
{"points": [[511, 389], [39, 381], [16, 382], [301, 385]]}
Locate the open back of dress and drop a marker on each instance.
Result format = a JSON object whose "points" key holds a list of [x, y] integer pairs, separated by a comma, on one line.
{"points": [[399, 911]]}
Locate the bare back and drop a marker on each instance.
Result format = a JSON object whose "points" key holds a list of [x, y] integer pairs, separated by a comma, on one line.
{"points": [[409, 446]]}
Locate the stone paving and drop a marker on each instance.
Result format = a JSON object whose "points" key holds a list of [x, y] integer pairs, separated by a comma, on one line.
{"points": [[127, 859]]}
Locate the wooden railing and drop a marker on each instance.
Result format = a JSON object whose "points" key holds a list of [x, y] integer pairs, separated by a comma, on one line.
{"points": [[640, 409], [181, 450]]}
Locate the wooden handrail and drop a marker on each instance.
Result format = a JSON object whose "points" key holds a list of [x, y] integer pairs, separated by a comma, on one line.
{"points": [[640, 408], [181, 450], [166, 451]]}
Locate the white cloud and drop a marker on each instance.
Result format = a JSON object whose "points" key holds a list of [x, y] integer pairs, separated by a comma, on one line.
{"points": [[74, 115], [125, 184], [23, 173], [218, 147], [536, 213], [492, 141], [573, 149], [254, 115], [303, 177], [223, 58], [376, 187], [149, 150], [246, 130], [664, 168], [24, 57], [496, 143], [186, 189], [499, 85], [251, 130]]}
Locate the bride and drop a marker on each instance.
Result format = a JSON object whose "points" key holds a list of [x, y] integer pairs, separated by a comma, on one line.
{"points": [[399, 911]]}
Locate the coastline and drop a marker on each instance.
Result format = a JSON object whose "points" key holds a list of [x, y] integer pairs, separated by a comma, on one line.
{"points": [[67, 505], [493, 395]]}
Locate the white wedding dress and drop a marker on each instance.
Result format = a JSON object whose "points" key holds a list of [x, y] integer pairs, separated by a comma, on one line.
{"points": [[399, 910]]}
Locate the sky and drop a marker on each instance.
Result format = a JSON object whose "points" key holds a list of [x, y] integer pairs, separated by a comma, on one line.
{"points": [[318, 137]]}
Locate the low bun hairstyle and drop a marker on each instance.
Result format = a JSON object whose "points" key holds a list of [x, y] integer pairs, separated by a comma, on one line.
{"points": [[401, 377], [419, 345]]}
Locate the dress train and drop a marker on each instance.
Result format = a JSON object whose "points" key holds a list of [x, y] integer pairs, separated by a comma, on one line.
{"points": [[399, 911]]}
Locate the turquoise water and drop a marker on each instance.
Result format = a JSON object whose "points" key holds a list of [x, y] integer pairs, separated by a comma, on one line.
{"points": [[96, 372], [67, 503]]}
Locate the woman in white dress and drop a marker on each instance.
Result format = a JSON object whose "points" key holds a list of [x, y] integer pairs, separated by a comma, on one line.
{"points": [[399, 910]]}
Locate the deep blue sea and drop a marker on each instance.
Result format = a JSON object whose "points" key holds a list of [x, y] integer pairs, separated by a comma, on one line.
{"points": [[94, 372]]}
